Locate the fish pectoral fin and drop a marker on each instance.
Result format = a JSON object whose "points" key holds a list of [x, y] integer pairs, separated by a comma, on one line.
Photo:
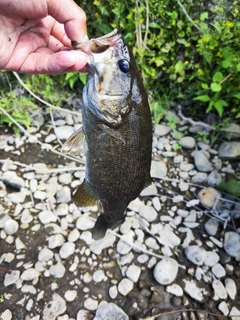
{"points": [[113, 133], [75, 143], [83, 197]]}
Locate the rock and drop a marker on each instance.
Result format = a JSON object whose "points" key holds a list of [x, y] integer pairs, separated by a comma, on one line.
{"points": [[12, 179], [149, 191], [231, 244], [125, 286], [50, 138], [211, 226], [187, 142], [109, 311], [83, 315], [26, 216], [3, 219], [73, 235], [148, 213], [231, 288], [219, 289], [65, 178], [97, 246], [67, 249], [158, 169], [185, 166], [64, 195], [11, 277], [98, 276], [211, 258], [193, 290], [91, 304], [7, 315], [62, 209], [133, 273], [235, 313], [218, 270], [229, 151], [113, 292], [223, 307], [64, 132], [171, 115], [70, 295], [201, 162], [54, 308], [208, 196], [57, 270], [162, 130], [11, 227], [165, 271], [30, 274], [200, 178], [175, 289], [214, 179], [45, 255], [47, 216], [85, 223], [168, 238], [56, 240], [195, 254]]}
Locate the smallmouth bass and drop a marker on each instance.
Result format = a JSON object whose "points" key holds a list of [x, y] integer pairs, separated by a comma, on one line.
{"points": [[117, 128]]}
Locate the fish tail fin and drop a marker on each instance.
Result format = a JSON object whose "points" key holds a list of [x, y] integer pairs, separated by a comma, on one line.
{"points": [[101, 227]]}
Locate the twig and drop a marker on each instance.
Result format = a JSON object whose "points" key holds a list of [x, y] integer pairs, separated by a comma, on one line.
{"points": [[43, 145], [202, 124], [188, 17], [223, 80], [54, 127], [41, 100]]}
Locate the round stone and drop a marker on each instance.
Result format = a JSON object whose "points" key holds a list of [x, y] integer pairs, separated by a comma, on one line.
{"points": [[218, 270], [98, 276], [67, 250], [45, 255], [30, 274], [11, 226], [70, 295], [231, 288], [148, 213], [11, 277], [125, 286], [91, 304], [187, 142], [211, 226], [85, 223], [208, 196], [133, 273], [47, 216], [165, 271], [195, 254], [175, 289], [113, 292], [231, 243]]}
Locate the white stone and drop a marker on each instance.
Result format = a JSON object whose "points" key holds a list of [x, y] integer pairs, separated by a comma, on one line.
{"points": [[109, 311], [11, 277], [158, 169], [91, 304], [149, 191], [175, 289], [57, 270], [133, 273], [125, 286], [231, 288], [218, 270], [156, 203], [231, 244], [201, 162], [98, 276], [56, 240], [73, 235], [162, 130], [187, 142], [195, 254], [54, 308], [211, 226], [97, 246], [223, 307], [211, 258], [62, 209], [113, 292], [64, 132], [30, 274], [235, 313], [219, 289], [47, 216], [208, 196], [45, 255], [6, 315], [11, 227], [165, 271], [193, 290], [85, 223], [65, 178], [67, 249], [70, 295], [168, 238]]}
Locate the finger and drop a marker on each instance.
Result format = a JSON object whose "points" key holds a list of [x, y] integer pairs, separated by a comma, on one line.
{"points": [[72, 16], [56, 63]]}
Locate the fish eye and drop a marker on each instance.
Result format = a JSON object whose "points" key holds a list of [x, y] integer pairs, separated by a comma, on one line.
{"points": [[123, 65]]}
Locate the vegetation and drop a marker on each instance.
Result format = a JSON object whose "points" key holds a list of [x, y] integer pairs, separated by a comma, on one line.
{"points": [[187, 51]]}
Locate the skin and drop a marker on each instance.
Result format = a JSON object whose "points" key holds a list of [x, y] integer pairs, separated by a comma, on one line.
{"points": [[36, 35]]}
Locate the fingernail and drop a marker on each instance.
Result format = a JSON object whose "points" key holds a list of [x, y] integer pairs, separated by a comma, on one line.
{"points": [[83, 45]]}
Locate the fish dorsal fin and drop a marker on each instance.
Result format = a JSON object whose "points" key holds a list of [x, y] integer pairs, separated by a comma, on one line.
{"points": [[83, 197], [75, 143], [113, 133]]}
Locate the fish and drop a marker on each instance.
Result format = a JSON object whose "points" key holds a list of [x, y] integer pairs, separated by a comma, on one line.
{"points": [[116, 132]]}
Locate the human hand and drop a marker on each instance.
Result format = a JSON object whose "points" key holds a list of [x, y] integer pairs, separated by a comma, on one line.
{"points": [[36, 35]]}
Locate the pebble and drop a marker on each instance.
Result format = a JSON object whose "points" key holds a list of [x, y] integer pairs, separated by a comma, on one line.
{"points": [[64, 195], [62, 209], [231, 244], [158, 169], [201, 162], [11, 227], [175, 289], [109, 311], [211, 258], [73, 235], [50, 138], [67, 249], [133, 273], [113, 292], [235, 313], [165, 271], [45, 255], [148, 213], [11, 277], [64, 132], [162, 130], [218, 270], [56, 240], [125, 286], [195, 254], [58, 270], [200, 178], [98, 276], [223, 307], [47, 216], [30, 274], [214, 179], [91, 304], [3, 219], [211, 226], [219, 289], [187, 142], [150, 190], [208, 197], [26, 216], [85, 223], [231, 288], [168, 238], [54, 308], [7, 315], [12, 179], [186, 167], [229, 150], [98, 246], [193, 290], [70, 295], [65, 178]]}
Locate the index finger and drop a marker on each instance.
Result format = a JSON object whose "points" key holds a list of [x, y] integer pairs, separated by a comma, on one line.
{"points": [[72, 16]]}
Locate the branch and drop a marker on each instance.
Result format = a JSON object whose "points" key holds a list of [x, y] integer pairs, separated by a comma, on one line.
{"points": [[188, 17]]}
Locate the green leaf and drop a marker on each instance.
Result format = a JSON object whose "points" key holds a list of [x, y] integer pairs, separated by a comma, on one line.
{"points": [[238, 67], [237, 95], [154, 25], [203, 98], [219, 105], [238, 115], [203, 16], [217, 77], [232, 187], [226, 63], [215, 87]]}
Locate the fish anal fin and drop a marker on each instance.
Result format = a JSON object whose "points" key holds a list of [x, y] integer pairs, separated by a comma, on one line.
{"points": [[83, 197], [75, 143]]}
